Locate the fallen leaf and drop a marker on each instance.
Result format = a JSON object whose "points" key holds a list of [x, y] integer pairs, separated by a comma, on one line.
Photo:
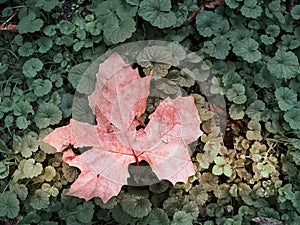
{"points": [[118, 102]]}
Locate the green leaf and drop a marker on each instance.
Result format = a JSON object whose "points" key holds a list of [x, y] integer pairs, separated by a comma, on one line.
{"points": [[40, 200], [9, 204], [47, 114], [273, 30], [22, 122], [66, 104], [116, 30], [158, 13], [3, 68], [191, 208], [219, 47], [255, 109], [26, 49], [44, 44], [157, 216], [41, 87], [182, 218], [286, 97], [22, 108], [50, 30], [233, 4], [85, 212], [284, 65], [136, 205], [20, 189], [66, 27], [31, 67], [267, 40], [251, 9], [286, 193], [159, 187], [247, 49], [119, 215], [295, 12], [78, 45], [236, 94], [238, 34], [108, 205], [76, 73], [208, 23], [296, 202], [47, 5], [293, 118], [29, 24]]}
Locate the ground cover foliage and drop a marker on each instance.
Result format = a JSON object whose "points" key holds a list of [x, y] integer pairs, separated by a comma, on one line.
{"points": [[252, 48]]}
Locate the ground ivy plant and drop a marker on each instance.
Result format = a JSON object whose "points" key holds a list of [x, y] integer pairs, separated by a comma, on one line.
{"points": [[246, 173]]}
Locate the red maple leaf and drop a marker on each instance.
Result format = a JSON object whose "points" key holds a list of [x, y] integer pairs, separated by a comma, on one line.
{"points": [[118, 102]]}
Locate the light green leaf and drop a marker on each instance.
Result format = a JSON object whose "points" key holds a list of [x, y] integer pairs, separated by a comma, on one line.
{"points": [[31, 67], [136, 205], [9, 205], [40, 200], [247, 49], [217, 170], [41, 87], [227, 170], [47, 114], [29, 24], [236, 94], [286, 97], [22, 122], [157, 12], [236, 112], [284, 65]]}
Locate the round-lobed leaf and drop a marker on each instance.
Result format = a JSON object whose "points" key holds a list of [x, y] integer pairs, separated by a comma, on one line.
{"points": [[47, 114], [136, 206], [31, 67], [157, 12], [9, 204]]}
